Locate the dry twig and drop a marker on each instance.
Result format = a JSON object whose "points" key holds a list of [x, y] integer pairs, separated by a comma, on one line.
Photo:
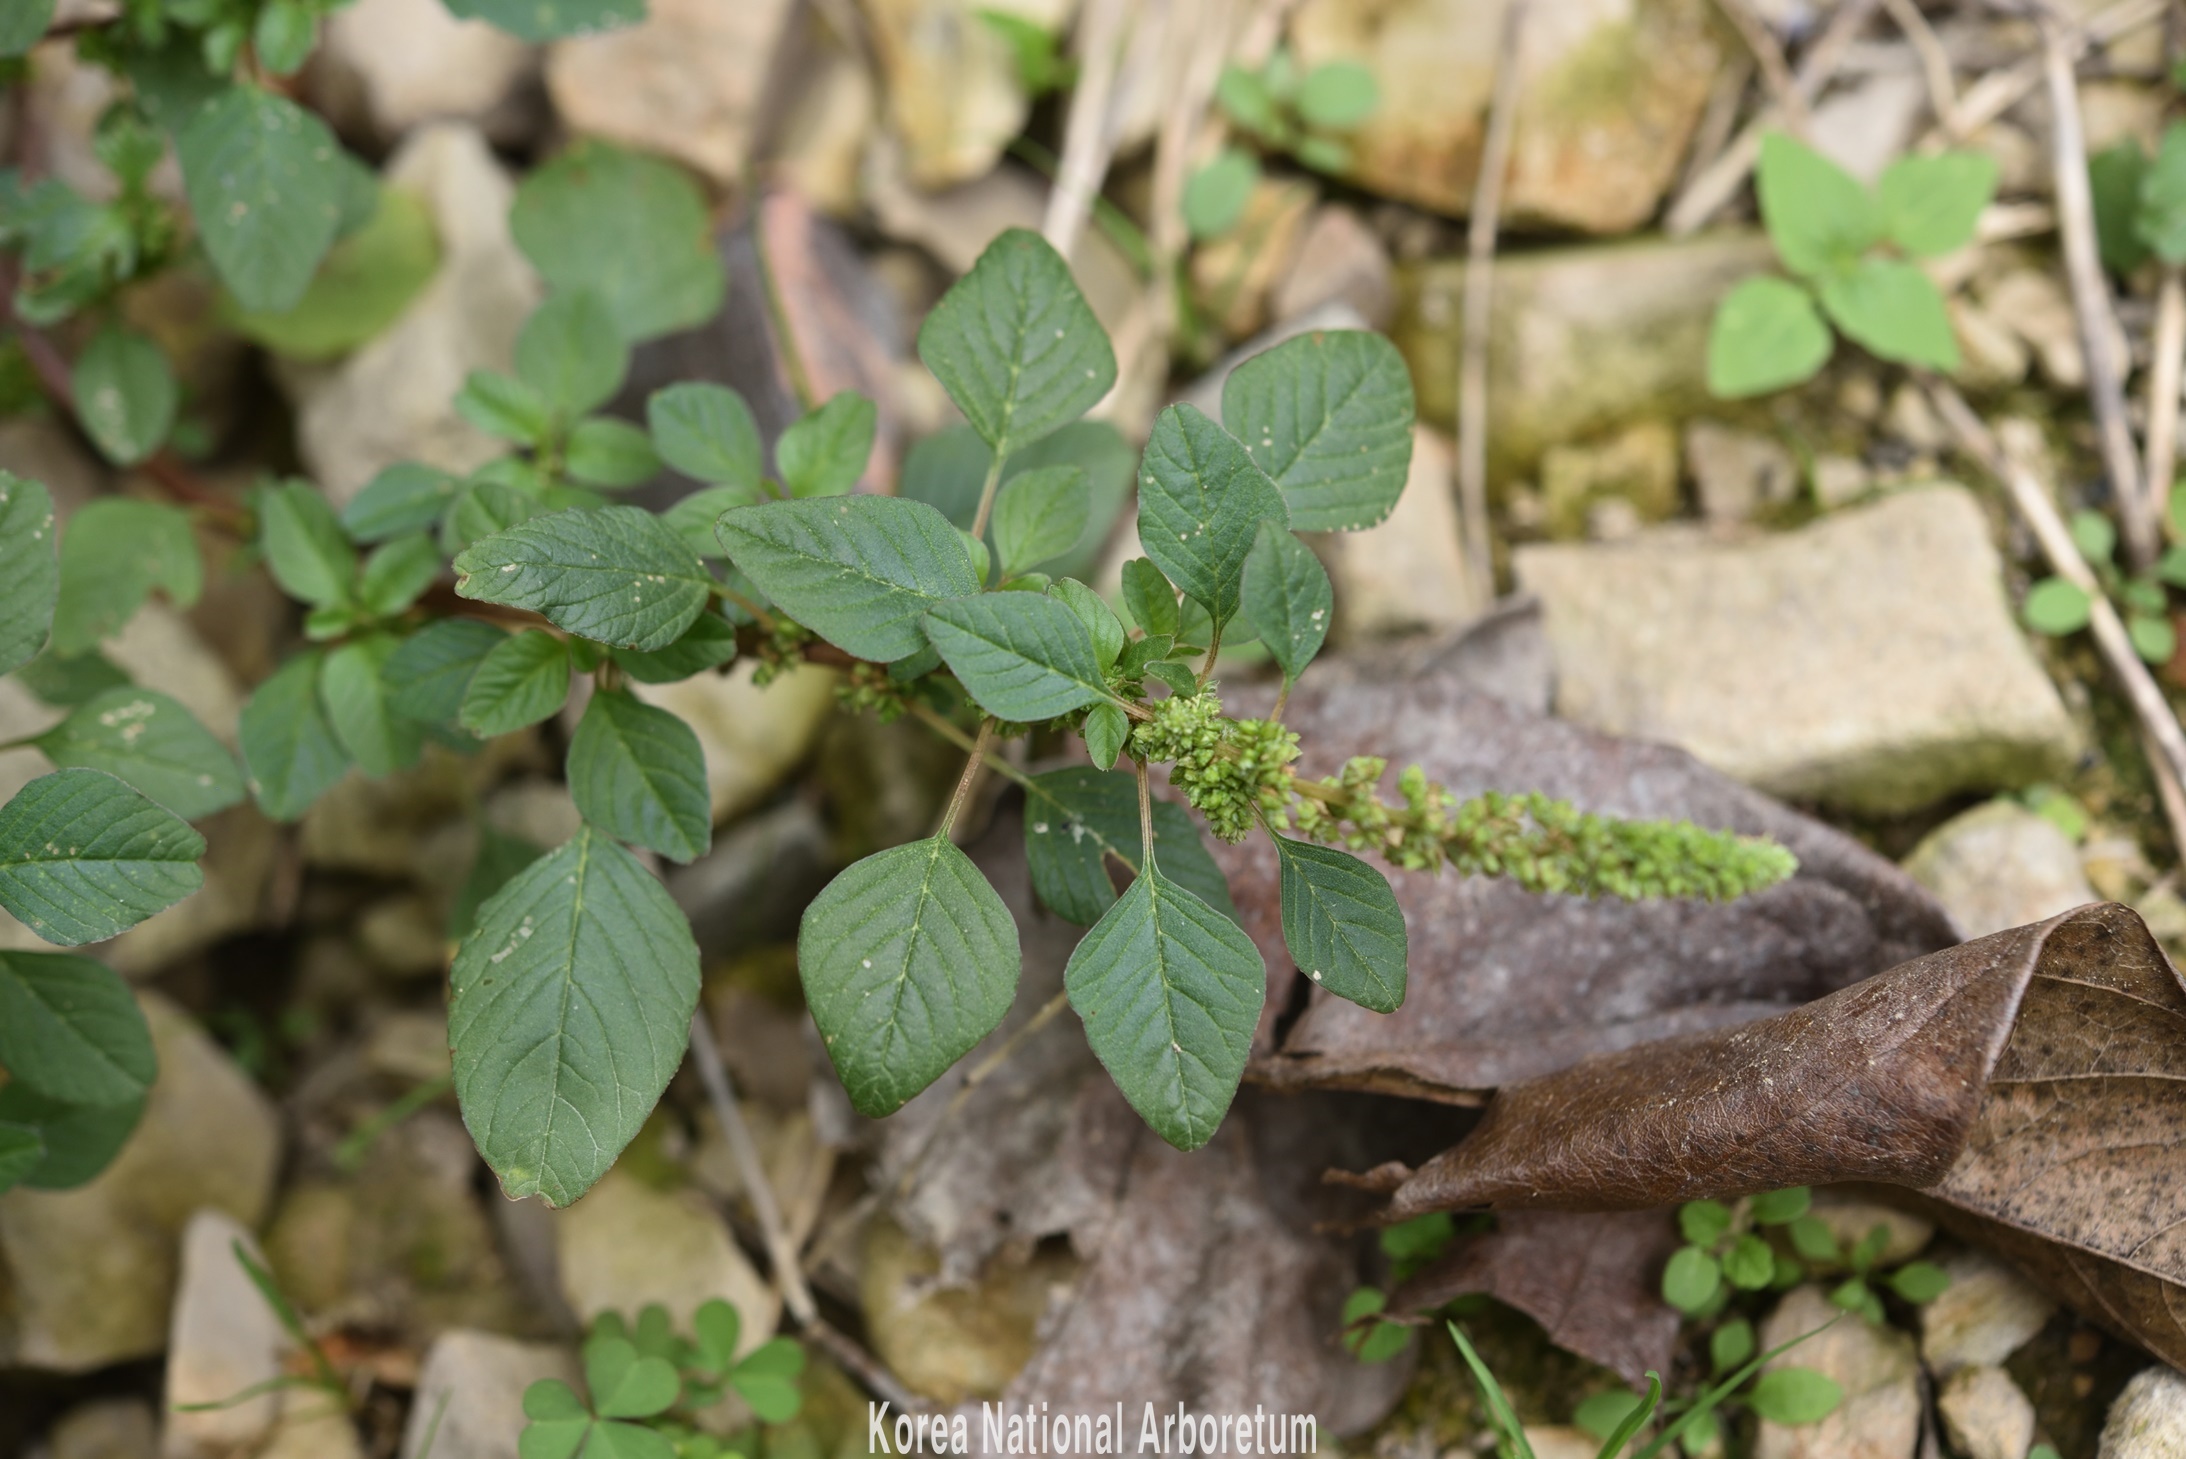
{"points": [[2166, 368], [1472, 379], [1935, 65], [2167, 742], [2091, 298], [1089, 134], [1715, 185], [1999, 91], [1775, 71], [789, 1273]]}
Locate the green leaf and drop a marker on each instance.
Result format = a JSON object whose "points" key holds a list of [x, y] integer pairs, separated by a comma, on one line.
{"points": [[718, 1329], [396, 574], [283, 35], [618, 575], [1371, 1342], [1690, 1280], [908, 958], [500, 858], [262, 184], [504, 406], [482, 508], [83, 857], [1038, 516], [1105, 731], [23, 25], [824, 453], [2153, 638], [2056, 607], [1819, 216], [366, 282], [569, 352], [67, 681], [1342, 924], [637, 773], [708, 643], [1893, 309], [1215, 195], [694, 516], [706, 431], [1149, 597], [402, 499], [306, 549], [1704, 1223], [625, 1385], [2114, 177], [1323, 154], [617, 1440], [1749, 1265], [1794, 1396], [1601, 1414], [859, 571], [1201, 502], [631, 228], [376, 737], [768, 1380], [1337, 95], [1328, 416], [1023, 657], [1170, 990], [1099, 619], [125, 395], [30, 570], [1813, 1239], [426, 676], [147, 740], [1779, 1208], [569, 1009], [22, 1151], [70, 1030], [1931, 204], [1917, 1281], [1076, 817], [290, 751], [1286, 598], [1766, 335], [1730, 1345], [610, 453], [2160, 222], [546, 20], [79, 1139], [1015, 345], [115, 551], [521, 680]]}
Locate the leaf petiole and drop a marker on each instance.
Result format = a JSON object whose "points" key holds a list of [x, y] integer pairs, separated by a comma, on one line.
{"points": [[977, 756]]}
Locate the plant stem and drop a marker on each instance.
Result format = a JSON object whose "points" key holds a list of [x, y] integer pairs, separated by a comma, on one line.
{"points": [[977, 756], [759, 615], [986, 499], [1146, 819], [1214, 650]]}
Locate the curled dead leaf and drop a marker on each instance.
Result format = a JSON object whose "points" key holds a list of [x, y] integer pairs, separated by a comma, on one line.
{"points": [[2031, 1086]]}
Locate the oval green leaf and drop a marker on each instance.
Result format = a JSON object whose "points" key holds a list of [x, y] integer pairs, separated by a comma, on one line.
{"points": [[146, 739], [84, 857], [637, 773], [1328, 416], [1342, 924], [618, 575], [1023, 657]]}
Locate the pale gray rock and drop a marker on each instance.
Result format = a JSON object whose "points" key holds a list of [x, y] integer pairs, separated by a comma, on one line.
{"points": [[1986, 1314], [105, 1428], [953, 98], [402, 63], [686, 81], [1339, 258], [1985, 1414], [470, 1394], [90, 1272], [2000, 865], [1870, 661], [1875, 1366], [1852, 1221], [2148, 1420], [225, 1338], [626, 1245], [1407, 573], [392, 399]]}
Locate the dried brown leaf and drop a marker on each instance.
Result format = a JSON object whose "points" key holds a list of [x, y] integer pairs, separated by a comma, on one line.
{"points": [[2031, 1085]]}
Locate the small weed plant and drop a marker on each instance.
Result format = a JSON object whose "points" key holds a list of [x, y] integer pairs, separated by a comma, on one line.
{"points": [[1284, 107], [575, 975], [646, 1385], [1853, 254], [2058, 607]]}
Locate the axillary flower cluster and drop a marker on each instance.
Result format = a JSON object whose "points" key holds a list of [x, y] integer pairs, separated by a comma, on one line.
{"points": [[1237, 772]]}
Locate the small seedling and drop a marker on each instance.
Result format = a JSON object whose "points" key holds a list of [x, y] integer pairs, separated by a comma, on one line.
{"points": [[646, 1383], [2056, 607], [1852, 255], [1308, 114]]}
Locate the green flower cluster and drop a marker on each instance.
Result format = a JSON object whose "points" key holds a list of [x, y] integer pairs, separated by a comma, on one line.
{"points": [[867, 686], [1229, 769], [1238, 771]]}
